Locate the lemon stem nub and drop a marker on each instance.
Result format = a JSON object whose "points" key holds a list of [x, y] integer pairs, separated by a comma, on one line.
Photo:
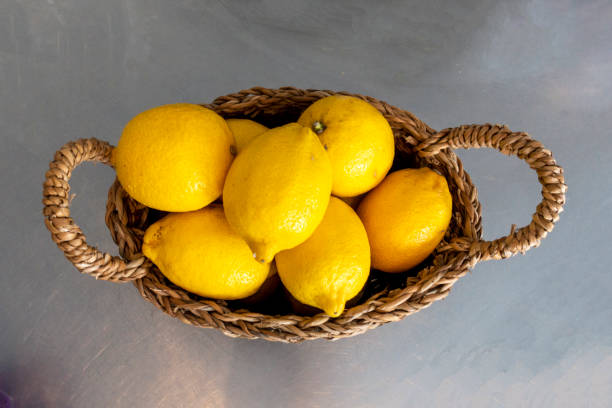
{"points": [[318, 127], [262, 253], [260, 260]]}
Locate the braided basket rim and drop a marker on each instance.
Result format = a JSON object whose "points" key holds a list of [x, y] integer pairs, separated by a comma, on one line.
{"points": [[381, 308]]}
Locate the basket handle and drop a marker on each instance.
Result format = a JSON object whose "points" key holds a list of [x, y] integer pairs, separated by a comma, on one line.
{"points": [[65, 232], [519, 144]]}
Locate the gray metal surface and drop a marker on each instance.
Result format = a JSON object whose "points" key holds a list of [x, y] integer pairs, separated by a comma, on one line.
{"points": [[534, 330]]}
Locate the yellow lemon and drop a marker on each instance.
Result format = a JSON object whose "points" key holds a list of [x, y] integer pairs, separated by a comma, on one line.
{"points": [[406, 217], [277, 190], [199, 252], [331, 266], [174, 157], [357, 138], [244, 130]]}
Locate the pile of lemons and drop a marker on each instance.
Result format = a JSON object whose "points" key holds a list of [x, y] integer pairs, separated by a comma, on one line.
{"points": [[314, 197]]}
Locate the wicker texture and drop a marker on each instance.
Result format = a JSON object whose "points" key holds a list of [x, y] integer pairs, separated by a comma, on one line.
{"points": [[460, 250]]}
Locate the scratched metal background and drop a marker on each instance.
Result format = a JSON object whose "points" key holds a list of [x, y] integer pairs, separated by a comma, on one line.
{"points": [[534, 330]]}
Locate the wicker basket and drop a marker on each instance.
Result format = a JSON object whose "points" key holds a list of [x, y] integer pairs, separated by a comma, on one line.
{"points": [[387, 298]]}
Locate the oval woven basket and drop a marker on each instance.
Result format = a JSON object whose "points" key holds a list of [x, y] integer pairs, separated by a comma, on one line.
{"points": [[387, 298]]}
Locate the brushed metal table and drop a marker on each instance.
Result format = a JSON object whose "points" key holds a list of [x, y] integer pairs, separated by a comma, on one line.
{"points": [[533, 330]]}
